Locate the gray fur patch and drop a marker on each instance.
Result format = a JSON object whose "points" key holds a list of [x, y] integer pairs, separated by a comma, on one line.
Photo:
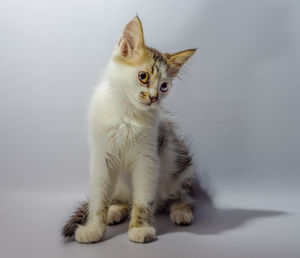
{"points": [[183, 159], [166, 133], [162, 136]]}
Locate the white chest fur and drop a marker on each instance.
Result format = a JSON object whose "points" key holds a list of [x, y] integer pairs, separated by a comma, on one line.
{"points": [[124, 135]]}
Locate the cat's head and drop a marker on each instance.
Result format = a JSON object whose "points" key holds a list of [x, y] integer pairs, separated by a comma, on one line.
{"points": [[146, 74]]}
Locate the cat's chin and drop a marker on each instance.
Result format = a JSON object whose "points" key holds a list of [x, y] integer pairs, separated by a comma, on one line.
{"points": [[145, 106]]}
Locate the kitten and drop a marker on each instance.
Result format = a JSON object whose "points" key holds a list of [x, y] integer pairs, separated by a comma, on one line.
{"points": [[138, 162]]}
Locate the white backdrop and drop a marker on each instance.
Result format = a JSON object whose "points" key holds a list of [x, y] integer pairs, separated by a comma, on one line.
{"points": [[238, 100]]}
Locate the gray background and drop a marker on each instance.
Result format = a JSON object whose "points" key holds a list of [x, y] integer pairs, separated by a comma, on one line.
{"points": [[238, 102]]}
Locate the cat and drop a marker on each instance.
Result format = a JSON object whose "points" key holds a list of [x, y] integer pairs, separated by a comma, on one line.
{"points": [[139, 163]]}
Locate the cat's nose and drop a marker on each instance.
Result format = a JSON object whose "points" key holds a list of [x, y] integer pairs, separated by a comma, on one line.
{"points": [[153, 99]]}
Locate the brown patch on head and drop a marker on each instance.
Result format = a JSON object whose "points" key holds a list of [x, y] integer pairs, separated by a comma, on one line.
{"points": [[158, 60], [155, 64], [134, 52], [143, 57]]}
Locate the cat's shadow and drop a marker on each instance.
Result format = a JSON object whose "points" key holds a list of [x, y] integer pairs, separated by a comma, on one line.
{"points": [[209, 220]]}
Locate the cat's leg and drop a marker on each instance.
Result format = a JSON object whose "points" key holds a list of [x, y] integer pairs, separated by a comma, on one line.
{"points": [[181, 213], [144, 179], [102, 181], [117, 212], [120, 206]]}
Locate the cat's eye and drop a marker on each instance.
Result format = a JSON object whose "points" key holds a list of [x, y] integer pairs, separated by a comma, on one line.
{"points": [[143, 77], [164, 87]]}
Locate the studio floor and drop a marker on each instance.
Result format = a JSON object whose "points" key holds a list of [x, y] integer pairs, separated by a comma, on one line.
{"points": [[241, 225]]}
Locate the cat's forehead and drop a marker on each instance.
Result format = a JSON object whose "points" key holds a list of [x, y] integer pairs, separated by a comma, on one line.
{"points": [[156, 63]]}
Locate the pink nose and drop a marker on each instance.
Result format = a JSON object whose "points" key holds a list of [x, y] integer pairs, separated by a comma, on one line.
{"points": [[153, 99]]}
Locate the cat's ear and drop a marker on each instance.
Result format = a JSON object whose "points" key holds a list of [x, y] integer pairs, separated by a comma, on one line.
{"points": [[132, 39], [177, 60]]}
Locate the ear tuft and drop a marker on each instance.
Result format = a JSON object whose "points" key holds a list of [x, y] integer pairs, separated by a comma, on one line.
{"points": [[177, 60], [132, 39]]}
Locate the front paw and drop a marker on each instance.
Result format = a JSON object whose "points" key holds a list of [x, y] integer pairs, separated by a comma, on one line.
{"points": [[89, 234], [142, 234]]}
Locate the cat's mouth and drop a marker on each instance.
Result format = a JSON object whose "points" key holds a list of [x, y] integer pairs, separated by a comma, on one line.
{"points": [[146, 103]]}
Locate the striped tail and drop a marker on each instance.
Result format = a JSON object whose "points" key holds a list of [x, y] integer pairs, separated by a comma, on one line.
{"points": [[79, 217]]}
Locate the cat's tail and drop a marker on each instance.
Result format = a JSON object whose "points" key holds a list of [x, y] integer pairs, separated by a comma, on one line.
{"points": [[79, 217]]}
